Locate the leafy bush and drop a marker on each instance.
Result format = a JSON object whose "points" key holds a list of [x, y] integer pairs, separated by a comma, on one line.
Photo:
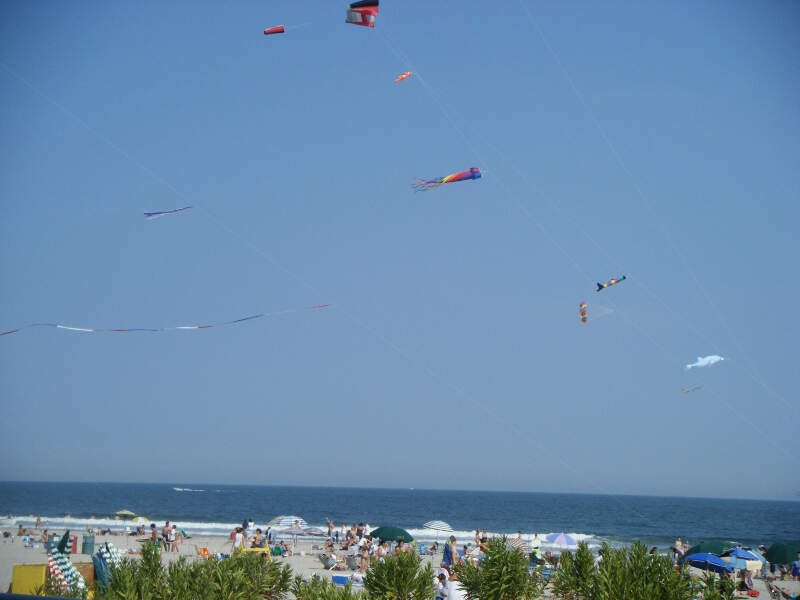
{"points": [[322, 589], [400, 578], [502, 575], [241, 577]]}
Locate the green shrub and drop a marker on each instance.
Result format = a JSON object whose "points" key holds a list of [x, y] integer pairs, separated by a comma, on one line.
{"points": [[241, 577], [399, 578], [322, 589], [502, 575]]}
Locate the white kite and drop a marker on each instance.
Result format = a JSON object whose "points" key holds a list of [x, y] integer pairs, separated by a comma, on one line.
{"points": [[705, 361]]}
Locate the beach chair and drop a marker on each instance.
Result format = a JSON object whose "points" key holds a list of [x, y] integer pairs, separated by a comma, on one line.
{"points": [[202, 552]]}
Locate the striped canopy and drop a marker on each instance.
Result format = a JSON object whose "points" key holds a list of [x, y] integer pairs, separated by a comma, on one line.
{"points": [[438, 526], [292, 521]]}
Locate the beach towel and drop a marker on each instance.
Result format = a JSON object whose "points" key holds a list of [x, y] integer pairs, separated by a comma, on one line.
{"points": [[447, 556]]}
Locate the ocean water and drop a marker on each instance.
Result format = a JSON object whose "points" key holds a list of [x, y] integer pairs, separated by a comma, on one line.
{"points": [[204, 509]]}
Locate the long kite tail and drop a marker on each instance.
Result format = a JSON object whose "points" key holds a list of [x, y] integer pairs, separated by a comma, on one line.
{"points": [[162, 329], [423, 185]]}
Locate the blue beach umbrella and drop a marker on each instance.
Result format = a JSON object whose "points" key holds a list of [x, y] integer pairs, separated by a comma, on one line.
{"points": [[738, 558], [708, 562], [561, 539]]}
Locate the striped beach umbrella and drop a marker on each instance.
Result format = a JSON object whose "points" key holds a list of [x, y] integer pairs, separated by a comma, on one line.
{"points": [[54, 570], [438, 526], [292, 521], [518, 544]]}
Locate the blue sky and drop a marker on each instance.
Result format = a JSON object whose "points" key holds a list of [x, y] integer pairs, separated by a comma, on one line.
{"points": [[655, 140]]}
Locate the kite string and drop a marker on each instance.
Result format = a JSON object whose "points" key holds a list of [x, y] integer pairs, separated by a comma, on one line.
{"points": [[648, 205], [431, 373], [524, 209]]}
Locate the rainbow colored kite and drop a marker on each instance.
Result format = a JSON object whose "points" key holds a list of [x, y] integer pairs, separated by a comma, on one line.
{"points": [[583, 312], [430, 184], [161, 213], [405, 75], [602, 286], [160, 329]]}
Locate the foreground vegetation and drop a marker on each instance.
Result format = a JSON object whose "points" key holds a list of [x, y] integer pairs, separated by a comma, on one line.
{"points": [[504, 574]]}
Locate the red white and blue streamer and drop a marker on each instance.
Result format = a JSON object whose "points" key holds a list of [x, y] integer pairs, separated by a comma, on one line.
{"points": [[162, 329]]}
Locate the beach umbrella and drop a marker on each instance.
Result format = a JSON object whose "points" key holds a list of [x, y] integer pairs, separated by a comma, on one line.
{"points": [[64, 545], [140, 520], [518, 544], [738, 558], [561, 539], [125, 514], [708, 562], [292, 521], [782, 553], [438, 526], [314, 531], [711, 547], [392, 533]]}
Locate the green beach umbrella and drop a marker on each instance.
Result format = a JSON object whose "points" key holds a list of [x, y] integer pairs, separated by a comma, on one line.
{"points": [[782, 553], [62, 544], [712, 547], [393, 534]]}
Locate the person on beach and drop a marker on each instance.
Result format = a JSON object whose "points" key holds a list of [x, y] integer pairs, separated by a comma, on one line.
{"points": [[169, 539], [165, 535], [441, 587], [363, 556], [330, 528], [176, 539], [153, 533], [257, 540], [238, 540], [477, 537], [536, 543], [38, 522]]}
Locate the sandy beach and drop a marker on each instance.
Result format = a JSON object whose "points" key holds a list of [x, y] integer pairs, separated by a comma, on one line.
{"points": [[304, 561]]}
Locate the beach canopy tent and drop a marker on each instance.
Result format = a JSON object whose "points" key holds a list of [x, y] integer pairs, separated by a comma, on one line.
{"points": [[393, 534], [782, 553], [561, 539], [288, 521], [125, 514], [708, 562], [712, 547]]}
